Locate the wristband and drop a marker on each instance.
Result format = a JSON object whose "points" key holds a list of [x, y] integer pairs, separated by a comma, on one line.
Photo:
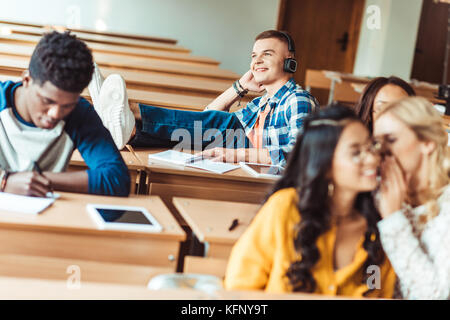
{"points": [[239, 92], [240, 86]]}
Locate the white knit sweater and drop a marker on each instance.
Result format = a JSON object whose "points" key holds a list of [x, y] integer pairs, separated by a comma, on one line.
{"points": [[421, 262]]}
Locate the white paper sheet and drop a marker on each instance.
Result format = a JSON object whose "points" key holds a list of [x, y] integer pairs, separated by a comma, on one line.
{"points": [[185, 159], [217, 167], [15, 203], [170, 156]]}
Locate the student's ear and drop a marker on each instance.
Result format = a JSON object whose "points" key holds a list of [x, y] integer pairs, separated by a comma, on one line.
{"points": [[26, 78]]}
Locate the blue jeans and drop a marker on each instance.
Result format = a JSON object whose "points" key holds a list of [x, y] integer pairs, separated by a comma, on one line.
{"points": [[162, 127]]}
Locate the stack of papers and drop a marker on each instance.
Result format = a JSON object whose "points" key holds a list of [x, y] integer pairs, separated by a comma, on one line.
{"points": [[15, 203], [186, 159]]}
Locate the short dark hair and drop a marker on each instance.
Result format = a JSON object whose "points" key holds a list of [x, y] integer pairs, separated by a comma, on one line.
{"points": [[277, 35], [63, 60], [364, 107]]}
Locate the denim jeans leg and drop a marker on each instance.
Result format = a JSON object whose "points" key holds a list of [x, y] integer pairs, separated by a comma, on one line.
{"points": [[162, 127]]}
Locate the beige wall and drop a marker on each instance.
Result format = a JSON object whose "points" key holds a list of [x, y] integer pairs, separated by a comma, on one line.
{"points": [[389, 50]]}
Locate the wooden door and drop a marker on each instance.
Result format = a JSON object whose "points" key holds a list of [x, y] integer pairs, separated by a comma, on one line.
{"points": [[429, 56], [325, 32]]}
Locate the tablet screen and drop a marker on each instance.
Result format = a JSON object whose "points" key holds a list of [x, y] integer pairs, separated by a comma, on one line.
{"points": [[266, 169], [123, 216]]}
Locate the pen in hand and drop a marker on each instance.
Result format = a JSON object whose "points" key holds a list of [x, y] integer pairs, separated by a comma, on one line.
{"points": [[38, 170]]}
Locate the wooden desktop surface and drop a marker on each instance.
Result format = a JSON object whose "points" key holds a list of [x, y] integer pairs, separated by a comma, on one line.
{"points": [[21, 288], [210, 221], [51, 268], [66, 230], [234, 175]]}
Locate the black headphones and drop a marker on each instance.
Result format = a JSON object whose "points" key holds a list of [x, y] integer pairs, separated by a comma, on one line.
{"points": [[290, 64]]}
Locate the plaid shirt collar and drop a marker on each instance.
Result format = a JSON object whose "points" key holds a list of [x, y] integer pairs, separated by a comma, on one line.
{"points": [[249, 117], [272, 101], [288, 107]]}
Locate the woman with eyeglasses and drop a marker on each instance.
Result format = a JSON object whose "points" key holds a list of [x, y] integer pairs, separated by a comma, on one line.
{"points": [[415, 197], [317, 232], [379, 92]]}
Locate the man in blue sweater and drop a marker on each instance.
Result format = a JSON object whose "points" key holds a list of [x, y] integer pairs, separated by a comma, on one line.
{"points": [[43, 120]]}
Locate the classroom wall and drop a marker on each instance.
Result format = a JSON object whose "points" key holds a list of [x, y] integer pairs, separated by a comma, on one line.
{"points": [[388, 50], [223, 30]]}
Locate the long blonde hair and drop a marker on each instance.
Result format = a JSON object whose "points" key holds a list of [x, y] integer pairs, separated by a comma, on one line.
{"points": [[428, 125]]}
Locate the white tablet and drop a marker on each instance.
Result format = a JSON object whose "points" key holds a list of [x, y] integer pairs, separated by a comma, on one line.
{"points": [[262, 170], [123, 218]]}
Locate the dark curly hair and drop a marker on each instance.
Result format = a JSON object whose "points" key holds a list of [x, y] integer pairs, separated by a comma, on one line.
{"points": [[364, 106], [308, 167], [63, 60]]}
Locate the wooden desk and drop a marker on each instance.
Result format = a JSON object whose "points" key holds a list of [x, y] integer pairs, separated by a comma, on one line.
{"points": [[157, 99], [116, 49], [106, 33], [235, 185], [144, 80], [50, 268], [135, 167], [210, 220], [20, 288], [135, 63], [347, 87], [89, 37], [126, 36], [66, 230]]}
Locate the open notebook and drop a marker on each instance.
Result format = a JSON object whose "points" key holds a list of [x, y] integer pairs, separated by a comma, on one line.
{"points": [[171, 157], [15, 203]]}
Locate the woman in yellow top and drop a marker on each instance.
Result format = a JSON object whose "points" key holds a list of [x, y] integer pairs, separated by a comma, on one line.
{"points": [[317, 232]]}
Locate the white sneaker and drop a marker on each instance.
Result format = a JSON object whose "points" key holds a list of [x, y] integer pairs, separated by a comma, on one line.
{"points": [[114, 110], [95, 85]]}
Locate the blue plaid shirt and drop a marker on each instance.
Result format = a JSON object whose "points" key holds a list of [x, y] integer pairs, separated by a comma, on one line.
{"points": [[288, 107]]}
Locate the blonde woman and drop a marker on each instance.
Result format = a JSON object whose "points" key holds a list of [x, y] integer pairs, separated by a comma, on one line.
{"points": [[414, 198]]}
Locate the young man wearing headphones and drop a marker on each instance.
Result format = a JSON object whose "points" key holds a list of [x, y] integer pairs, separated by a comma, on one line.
{"points": [[264, 131]]}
